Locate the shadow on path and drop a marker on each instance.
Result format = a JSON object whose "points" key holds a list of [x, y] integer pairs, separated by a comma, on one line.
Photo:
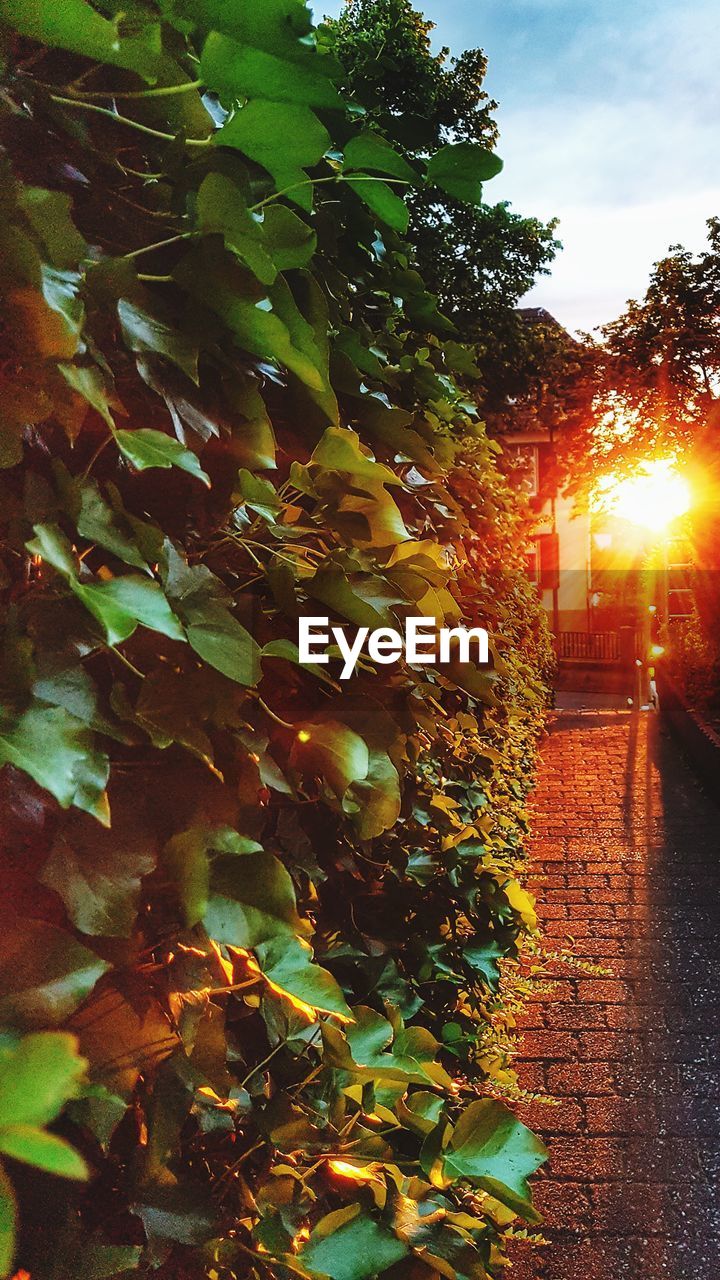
{"points": [[626, 861]]}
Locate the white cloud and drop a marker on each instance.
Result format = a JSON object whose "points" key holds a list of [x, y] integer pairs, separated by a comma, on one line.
{"points": [[610, 119], [609, 252]]}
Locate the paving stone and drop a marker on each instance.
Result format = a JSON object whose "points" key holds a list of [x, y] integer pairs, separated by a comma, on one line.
{"points": [[625, 862]]}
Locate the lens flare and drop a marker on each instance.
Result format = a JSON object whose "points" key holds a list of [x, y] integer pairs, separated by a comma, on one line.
{"points": [[653, 498]]}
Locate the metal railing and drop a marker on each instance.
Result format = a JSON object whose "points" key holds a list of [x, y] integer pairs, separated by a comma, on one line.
{"points": [[589, 646]]}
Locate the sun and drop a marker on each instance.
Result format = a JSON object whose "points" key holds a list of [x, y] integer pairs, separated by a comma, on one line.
{"points": [[653, 498]]}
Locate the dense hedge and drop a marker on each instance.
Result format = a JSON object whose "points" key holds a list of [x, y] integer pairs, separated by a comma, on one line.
{"points": [[266, 908]]}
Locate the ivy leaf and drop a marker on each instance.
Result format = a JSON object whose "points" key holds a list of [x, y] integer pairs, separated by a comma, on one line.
{"points": [[522, 903], [98, 874], [332, 750], [258, 494], [92, 1260], [49, 213], [382, 201], [222, 209], [143, 331], [288, 966], [43, 1150], [221, 284], [289, 240], [58, 751], [252, 899], [371, 151], [221, 641], [339, 449], [44, 973], [460, 168], [373, 802], [496, 1150], [172, 707], [96, 520], [350, 1245], [144, 447], [187, 865], [237, 70], [483, 958], [280, 26], [88, 381], [283, 137], [365, 1051], [76, 26], [122, 603], [38, 1075]]}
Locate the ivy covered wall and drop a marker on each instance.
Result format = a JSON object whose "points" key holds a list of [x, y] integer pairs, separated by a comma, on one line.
{"points": [[264, 938]]}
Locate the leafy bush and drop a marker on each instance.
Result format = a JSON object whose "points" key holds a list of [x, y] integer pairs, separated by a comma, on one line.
{"points": [[271, 908]]}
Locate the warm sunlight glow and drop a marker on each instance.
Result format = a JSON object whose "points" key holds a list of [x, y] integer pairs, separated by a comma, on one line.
{"points": [[653, 498]]}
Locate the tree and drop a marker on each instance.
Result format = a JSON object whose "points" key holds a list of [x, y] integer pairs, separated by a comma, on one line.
{"points": [[656, 383], [478, 259]]}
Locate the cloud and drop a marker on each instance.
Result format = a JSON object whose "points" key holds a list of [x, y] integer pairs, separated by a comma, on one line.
{"points": [[610, 119]]}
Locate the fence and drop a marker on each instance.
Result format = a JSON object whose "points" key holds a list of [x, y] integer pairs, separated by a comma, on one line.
{"points": [[588, 646]]}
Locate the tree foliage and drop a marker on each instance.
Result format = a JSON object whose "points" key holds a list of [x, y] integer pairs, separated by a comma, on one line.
{"points": [[478, 259], [266, 908]]}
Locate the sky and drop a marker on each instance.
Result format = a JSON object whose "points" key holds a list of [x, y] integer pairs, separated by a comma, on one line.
{"points": [[609, 116]]}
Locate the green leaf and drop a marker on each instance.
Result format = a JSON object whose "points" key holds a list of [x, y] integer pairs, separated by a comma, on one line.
{"points": [[96, 520], [287, 963], [89, 383], [8, 1224], [279, 26], [258, 494], [370, 151], [76, 26], [97, 872], [252, 899], [332, 750], [483, 958], [43, 1150], [363, 1051], [119, 604], [221, 641], [282, 137], [237, 70], [353, 1247], [373, 802], [144, 447], [492, 1147], [44, 973], [220, 283], [382, 201], [143, 332], [186, 863], [289, 240], [339, 449], [460, 168], [221, 209], [58, 751], [50, 212], [38, 1075], [95, 1261], [122, 603]]}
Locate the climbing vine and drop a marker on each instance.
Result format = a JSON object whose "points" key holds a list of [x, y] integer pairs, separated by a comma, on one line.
{"points": [[256, 982]]}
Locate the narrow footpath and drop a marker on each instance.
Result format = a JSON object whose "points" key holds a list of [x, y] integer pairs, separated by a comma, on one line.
{"points": [[626, 860]]}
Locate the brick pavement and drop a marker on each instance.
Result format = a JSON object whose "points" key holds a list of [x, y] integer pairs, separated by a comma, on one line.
{"points": [[626, 860]]}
